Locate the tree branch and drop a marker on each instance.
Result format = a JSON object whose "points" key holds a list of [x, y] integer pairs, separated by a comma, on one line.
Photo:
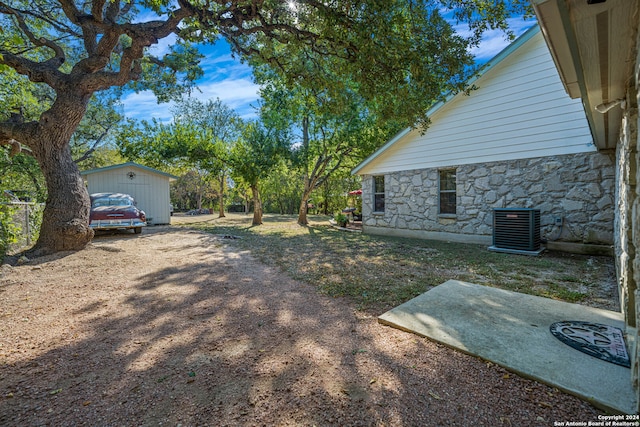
{"points": [[93, 147], [13, 131], [71, 11], [59, 56], [36, 72]]}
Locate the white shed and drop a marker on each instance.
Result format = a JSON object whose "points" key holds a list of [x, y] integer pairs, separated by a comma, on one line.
{"points": [[148, 186]]}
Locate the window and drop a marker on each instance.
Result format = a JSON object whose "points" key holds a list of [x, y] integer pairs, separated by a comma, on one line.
{"points": [[378, 193], [448, 191]]}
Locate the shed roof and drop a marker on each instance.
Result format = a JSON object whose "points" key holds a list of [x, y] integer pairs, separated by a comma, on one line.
{"points": [[128, 165]]}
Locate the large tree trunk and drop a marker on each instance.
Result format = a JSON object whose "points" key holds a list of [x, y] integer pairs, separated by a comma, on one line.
{"points": [[65, 220], [257, 206]]}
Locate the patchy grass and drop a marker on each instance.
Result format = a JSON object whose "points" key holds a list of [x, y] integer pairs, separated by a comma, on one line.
{"points": [[379, 272]]}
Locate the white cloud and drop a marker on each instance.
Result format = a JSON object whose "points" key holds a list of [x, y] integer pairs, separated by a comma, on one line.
{"points": [[144, 106], [494, 41], [162, 47], [239, 94]]}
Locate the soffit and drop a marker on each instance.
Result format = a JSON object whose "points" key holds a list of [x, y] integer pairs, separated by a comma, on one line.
{"points": [[593, 46]]}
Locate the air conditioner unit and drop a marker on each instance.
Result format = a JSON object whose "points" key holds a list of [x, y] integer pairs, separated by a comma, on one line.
{"points": [[516, 231]]}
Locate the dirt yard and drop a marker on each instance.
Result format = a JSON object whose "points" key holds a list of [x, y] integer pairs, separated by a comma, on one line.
{"points": [[178, 327]]}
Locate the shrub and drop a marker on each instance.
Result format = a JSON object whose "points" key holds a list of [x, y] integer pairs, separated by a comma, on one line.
{"points": [[341, 219], [9, 231]]}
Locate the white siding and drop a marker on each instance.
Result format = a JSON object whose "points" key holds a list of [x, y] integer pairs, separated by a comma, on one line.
{"points": [[520, 110], [150, 191]]}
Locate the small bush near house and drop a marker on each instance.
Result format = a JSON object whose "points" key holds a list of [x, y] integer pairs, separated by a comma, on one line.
{"points": [[341, 219]]}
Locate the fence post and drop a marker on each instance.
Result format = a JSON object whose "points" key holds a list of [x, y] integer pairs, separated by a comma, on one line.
{"points": [[26, 221]]}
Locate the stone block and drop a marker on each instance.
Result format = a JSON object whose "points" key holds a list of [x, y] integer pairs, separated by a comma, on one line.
{"points": [[413, 225], [572, 205], [553, 183], [513, 172], [486, 229], [518, 192], [466, 200], [589, 176], [498, 169], [482, 183], [606, 216], [579, 193], [479, 172], [551, 166], [605, 202], [577, 219], [598, 236], [471, 212], [533, 175], [496, 180]]}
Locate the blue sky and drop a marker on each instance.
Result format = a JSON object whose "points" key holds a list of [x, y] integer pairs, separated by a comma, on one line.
{"points": [[227, 78]]}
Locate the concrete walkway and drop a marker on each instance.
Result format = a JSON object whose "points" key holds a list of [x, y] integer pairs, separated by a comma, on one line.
{"points": [[512, 330]]}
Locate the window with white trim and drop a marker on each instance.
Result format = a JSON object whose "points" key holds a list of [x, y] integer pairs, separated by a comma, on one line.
{"points": [[447, 183], [378, 193]]}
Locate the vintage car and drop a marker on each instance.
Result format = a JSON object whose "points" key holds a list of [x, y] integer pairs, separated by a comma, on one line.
{"points": [[111, 211]]}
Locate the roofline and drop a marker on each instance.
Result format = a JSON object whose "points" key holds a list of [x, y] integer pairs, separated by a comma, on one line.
{"points": [[493, 62], [128, 164]]}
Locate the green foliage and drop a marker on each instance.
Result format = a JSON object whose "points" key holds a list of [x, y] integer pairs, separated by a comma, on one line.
{"points": [[193, 190], [256, 153], [341, 219], [92, 144], [9, 230], [196, 145], [356, 69], [335, 132], [21, 174], [281, 190], [399, 57], [19, 226], [174, 76]]}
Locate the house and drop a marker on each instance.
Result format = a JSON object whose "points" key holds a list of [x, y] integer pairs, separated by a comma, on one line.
{"points": [[594, 45], [517, 141], [148, 186]]}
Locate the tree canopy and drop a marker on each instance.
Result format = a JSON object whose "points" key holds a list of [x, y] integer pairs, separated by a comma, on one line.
{"points": [[401, 54]]}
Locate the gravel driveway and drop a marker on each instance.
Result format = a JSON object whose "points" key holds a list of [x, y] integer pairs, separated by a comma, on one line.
{"points": [[177, 327]]}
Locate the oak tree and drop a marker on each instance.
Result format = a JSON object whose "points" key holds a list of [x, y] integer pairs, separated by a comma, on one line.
{"points": [[78, 47]]}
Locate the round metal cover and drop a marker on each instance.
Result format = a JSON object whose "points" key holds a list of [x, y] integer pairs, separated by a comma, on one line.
{"points": [[595, 339]]}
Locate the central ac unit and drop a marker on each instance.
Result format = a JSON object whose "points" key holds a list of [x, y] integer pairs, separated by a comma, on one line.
{"points": [[516, 231]]}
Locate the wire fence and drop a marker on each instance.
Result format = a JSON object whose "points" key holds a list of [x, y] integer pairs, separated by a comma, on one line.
{"points": [[19, 225]]}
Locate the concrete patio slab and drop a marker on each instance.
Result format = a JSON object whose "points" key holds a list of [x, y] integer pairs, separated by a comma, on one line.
{"points": [[512, 330]]}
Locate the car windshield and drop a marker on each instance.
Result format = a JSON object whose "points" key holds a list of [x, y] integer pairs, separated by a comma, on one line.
{"points": [[111, 201]]}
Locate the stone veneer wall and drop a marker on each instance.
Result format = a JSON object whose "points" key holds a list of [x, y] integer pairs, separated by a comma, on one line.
{"points": [[626, 195], [627, 236], [579, 188]]}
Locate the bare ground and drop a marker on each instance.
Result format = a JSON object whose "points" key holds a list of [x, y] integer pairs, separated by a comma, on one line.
{"points": [[177, 327]]}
